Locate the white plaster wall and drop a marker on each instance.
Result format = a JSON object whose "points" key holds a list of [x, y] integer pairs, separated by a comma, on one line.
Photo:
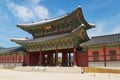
{"points": [[18, 64], [113, 64], [95, 64], [6, 65]]}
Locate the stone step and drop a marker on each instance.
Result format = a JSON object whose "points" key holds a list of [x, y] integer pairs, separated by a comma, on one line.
{"points": [[49, 69]]}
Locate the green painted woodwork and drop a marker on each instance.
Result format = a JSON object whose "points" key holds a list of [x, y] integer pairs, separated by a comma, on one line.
{"points": [[95, 56], [112, 46], [70, 41], [112, 54], [95, 47], [84, 49]]}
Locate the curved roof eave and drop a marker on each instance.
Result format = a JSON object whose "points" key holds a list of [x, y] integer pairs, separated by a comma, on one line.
{"points": [[54, 20], [22, 40]]}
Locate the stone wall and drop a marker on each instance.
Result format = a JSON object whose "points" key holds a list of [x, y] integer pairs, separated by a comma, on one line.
{"points": [[10, 65]]}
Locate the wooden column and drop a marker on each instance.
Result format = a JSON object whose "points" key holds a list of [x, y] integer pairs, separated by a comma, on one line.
{"points": [[0, 58], [28, 58], [119, 48], [87, 56], [104, 51], [40, 58], [56, 57], [51, 59], [64, 59], [74, 51]]}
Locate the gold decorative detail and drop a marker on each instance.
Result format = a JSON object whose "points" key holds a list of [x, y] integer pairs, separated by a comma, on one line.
{"points": [[47, 27]]}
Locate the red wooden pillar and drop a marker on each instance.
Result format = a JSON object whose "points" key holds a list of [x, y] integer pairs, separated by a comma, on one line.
{"points": [[23, 58], [64, 59], [56, 57], [0, 58], [28, 58], [87, 56], [104, 51], [75, 56], [119, 48], [40, 58]]}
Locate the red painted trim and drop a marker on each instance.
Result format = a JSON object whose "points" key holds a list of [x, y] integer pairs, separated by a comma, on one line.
{"points": [[56, 57], [40, 57], [28, 58], [119, 48], [74, 51]]}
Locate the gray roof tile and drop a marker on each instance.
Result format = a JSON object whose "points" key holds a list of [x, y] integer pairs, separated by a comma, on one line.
{"points": [[105, 39], [11, 50]]}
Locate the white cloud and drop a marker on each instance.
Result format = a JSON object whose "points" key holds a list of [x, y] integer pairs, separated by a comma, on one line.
{"points": [[21, 12], [41, 12], [29, 11]]}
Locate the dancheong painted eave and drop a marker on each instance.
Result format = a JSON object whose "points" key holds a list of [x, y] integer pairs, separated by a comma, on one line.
{"points": [[71, 39], [26, 40], [30, 27]]}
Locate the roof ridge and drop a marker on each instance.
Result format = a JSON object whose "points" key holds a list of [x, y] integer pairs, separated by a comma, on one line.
{"points": [[105, 35]]}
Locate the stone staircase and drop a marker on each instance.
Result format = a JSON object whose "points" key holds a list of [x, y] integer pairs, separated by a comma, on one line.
{"points": [[49, 69]]}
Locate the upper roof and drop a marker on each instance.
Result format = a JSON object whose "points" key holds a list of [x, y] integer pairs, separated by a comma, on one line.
{"points": [[11, 50], [55, 21], [105, 39]]}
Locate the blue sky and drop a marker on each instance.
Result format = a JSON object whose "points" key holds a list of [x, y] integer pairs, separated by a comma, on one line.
{"points": [[105, 14]]}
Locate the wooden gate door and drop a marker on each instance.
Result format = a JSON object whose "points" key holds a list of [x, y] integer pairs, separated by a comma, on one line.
{"points": [[82, 60]]}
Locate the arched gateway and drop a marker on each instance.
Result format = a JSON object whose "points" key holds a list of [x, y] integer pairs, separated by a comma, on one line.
{"points": [[52, 36]]}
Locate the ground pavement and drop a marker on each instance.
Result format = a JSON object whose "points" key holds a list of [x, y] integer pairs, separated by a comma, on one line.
{"points": [[19, 75]]}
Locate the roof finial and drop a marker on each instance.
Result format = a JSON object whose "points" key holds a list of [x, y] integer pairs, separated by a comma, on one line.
{"points": [[79, 6]]}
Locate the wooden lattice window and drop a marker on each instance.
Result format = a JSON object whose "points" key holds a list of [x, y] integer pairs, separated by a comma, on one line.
{"points": [[96, 56], [112, 54]]}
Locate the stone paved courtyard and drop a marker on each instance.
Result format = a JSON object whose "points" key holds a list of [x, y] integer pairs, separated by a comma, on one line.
{"points": [[19, 75]]}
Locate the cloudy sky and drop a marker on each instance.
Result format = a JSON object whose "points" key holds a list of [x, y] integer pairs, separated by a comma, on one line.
{"points": [[105, 14]]}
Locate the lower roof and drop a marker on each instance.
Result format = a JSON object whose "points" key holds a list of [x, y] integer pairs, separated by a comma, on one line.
{"points": [[11, 50], [105, 39]]}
